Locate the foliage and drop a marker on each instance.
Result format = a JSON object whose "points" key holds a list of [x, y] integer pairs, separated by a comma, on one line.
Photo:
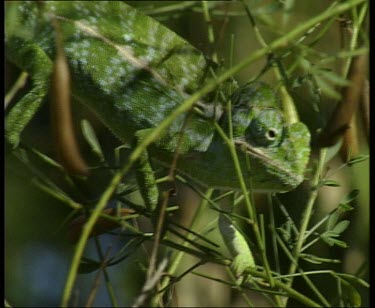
{"points": [[305, 236]]}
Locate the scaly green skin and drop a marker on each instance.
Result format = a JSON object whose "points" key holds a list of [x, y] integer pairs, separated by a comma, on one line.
{"points": [[132, 79], [132, 72], [278, 153], [119, 66]]}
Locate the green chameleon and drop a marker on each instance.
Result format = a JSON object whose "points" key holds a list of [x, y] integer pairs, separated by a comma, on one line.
{"points": [[132, 72]]}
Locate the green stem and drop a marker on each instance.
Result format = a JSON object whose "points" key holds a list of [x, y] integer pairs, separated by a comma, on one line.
{"points": [[19, 84], [306, 216], [354, 38], [170, 9], [86, 232], [177, 257], [239, 288], [210, 30], [249, 205], [308, 281], [290, 291]]}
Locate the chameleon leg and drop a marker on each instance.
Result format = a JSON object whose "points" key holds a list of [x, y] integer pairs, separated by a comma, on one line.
{"points": [[237, 245], [40, 68], [146, 178]]}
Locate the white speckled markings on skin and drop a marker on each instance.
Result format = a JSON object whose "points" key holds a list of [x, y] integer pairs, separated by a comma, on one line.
{"points": [[173, 66]]}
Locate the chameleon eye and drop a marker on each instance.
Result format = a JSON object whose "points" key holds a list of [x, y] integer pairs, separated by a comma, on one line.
{"points": [[266, 128]]}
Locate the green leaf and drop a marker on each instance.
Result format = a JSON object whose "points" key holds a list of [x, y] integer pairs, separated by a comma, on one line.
{"points": [[353, 279], [330, 183], [351, 294], [339, 243], [341, 226], [327, 89], [350, 197], [334, 78], [330, 233], [47, 160], [310, 259], [317, 260], [332, 220], [329, 238], [90, 136], [358, 159]]}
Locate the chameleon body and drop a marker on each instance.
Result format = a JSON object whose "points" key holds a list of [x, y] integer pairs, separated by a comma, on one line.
{"points": [[132, 72]]}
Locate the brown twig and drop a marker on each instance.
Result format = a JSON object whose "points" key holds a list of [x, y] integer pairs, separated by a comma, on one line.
{"points": [[365, 108], [61, 114], [151, 283], [96, 284], [343, 113]]}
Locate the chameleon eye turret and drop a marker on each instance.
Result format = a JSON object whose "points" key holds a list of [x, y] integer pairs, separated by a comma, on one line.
{"points": [[272, 153], [260, 130], [265, 129], [256, 115]]}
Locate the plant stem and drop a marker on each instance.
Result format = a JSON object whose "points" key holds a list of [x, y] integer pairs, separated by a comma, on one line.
{"points": [[177, 257], [306, 216], [19, 84], [249, 205]]}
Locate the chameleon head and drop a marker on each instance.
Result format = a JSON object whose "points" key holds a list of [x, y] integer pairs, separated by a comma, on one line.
{"points": [[274, 151]]}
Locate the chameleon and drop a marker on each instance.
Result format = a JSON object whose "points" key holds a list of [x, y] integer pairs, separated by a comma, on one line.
{"points": [[132, 72]]}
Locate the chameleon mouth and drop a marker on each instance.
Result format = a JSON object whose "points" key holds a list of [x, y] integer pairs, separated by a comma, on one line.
{"points": [[293, 178]]}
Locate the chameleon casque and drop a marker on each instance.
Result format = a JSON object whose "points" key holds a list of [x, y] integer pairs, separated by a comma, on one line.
{"points": [[132, 72]]}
